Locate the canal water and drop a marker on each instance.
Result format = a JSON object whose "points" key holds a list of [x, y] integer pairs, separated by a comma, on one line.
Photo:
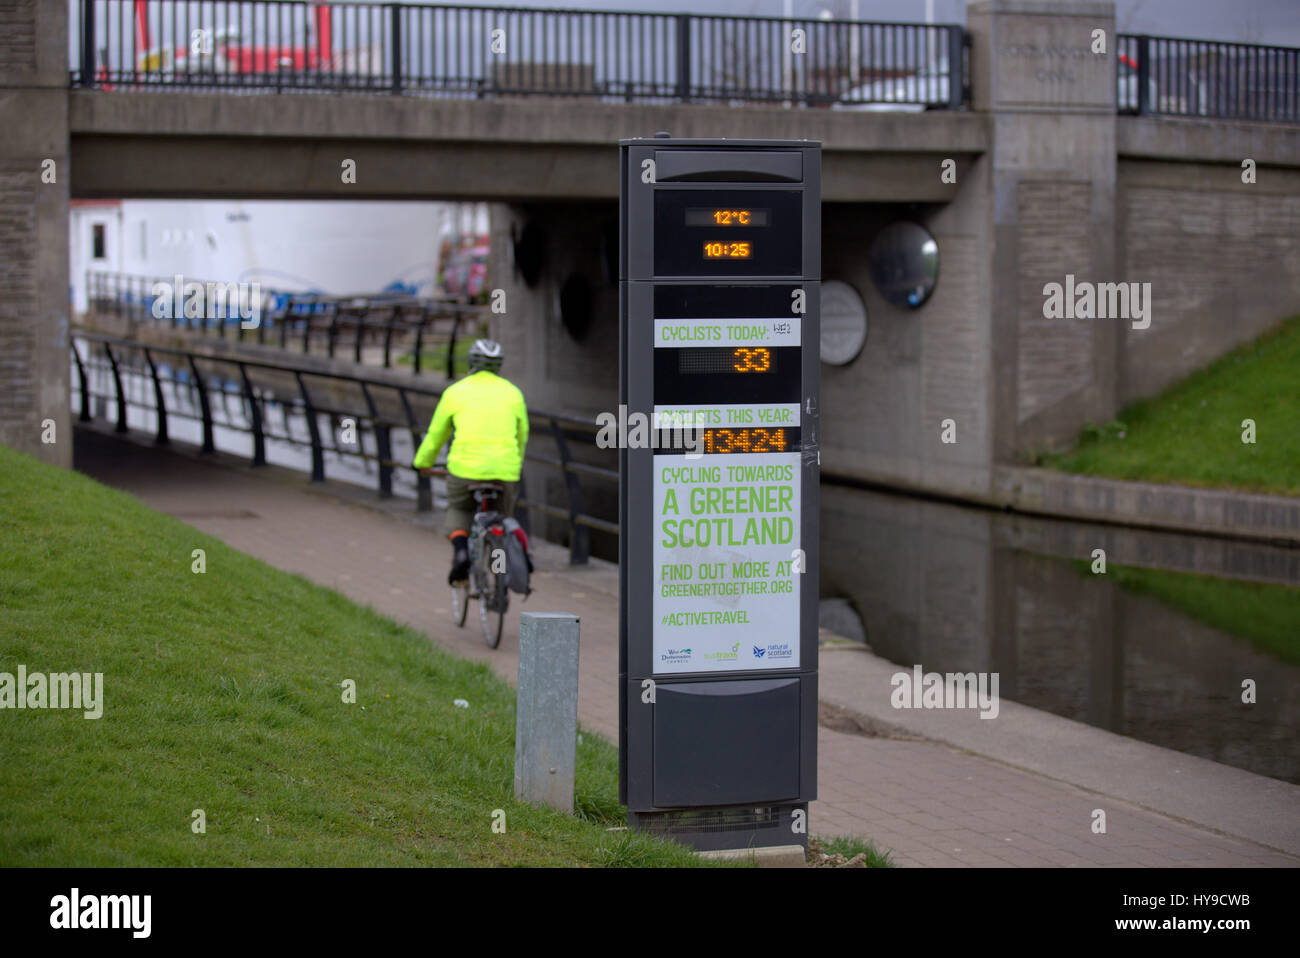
{"points": [[1161, 646]]}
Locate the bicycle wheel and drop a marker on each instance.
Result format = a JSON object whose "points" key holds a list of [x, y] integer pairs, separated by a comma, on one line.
{"points": [[492, 601], [460, 602]]}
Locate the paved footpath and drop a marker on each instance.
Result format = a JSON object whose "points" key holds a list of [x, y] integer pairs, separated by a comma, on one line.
{"points": [[926, 802]]}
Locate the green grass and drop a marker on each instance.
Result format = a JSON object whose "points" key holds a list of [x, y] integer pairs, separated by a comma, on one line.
{"points": [[435, 359], [1264, 614], [851, 845], [1192, 433], [222, 692]]}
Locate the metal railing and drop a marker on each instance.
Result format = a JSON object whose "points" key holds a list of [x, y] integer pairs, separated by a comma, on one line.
{"points": [[294, 320], [615, 56], [1178, 77], [475, 51], [202, 389]]}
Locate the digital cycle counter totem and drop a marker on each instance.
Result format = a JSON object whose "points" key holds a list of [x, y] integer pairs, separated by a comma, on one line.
{"points": [[719, 298]]}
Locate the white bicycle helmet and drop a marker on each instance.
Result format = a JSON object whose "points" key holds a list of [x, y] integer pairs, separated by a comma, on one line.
{"points": [[485, 354]]}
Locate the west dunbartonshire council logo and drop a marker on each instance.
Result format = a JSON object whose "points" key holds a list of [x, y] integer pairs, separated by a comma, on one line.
{"points": [[676, 655]]}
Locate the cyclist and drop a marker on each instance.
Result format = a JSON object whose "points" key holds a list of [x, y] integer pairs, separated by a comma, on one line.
{"points": [[490, 424]]}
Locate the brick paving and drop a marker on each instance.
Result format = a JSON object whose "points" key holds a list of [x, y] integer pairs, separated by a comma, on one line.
{"points": [[925, 802]]}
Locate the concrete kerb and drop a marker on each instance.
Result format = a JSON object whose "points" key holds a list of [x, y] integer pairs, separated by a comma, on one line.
{"points": [[1203, 511], [776, 856]]}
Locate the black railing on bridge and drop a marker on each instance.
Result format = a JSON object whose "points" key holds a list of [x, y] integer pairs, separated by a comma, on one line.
{"points": [[292, 320], [470, 51], [203, 393], [1178, 77]]}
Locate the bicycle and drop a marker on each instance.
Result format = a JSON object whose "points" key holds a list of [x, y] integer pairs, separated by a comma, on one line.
{"points": [[489, 585], [486, 554]]}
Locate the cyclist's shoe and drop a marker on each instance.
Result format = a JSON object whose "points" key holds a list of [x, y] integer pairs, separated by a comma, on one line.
{"points": [[459, 571]]}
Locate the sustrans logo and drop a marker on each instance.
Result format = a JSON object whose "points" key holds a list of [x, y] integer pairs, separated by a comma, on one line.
{"points": [[724, 656], [102, 911]]}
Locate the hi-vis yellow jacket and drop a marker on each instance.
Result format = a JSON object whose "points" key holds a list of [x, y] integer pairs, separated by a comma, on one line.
{"points": [[491, 429]]}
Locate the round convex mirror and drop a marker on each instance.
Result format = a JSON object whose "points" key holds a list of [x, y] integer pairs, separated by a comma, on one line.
{"points": [[905, 264]]}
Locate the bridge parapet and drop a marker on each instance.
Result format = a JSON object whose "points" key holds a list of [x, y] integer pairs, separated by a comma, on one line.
{"points": [[478, 52]]}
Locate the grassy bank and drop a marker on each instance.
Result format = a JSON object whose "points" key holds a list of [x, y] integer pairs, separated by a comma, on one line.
{"points": [[1192, 433], [224, 692]]}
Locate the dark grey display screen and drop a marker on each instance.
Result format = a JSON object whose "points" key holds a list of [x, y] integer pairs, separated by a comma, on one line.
{"points": [[737, 233]]}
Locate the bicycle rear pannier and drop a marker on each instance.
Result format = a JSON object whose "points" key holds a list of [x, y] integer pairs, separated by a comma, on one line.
{"points": [[516, 559]]}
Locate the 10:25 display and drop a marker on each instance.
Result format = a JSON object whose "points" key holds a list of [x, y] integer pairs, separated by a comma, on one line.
{"points": [[720, 250]]}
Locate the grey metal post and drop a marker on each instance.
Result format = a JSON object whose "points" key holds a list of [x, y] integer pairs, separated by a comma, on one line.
{"points": [[87, 42], [546, 712]]}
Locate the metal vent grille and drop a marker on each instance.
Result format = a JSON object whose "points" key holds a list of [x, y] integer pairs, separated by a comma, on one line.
{"points": [[714, 819]]}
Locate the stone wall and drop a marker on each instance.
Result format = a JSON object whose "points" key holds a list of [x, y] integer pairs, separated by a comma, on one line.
{"points": [[1222, 258], [557, 369], [34, 178], [882, 413]]}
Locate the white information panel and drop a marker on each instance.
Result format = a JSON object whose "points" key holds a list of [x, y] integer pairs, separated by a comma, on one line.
{"points": [[728, 332], [752, 414], [726, 561]]}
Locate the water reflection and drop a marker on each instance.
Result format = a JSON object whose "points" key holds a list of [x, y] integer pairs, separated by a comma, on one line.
{"points": [[1158, 648]]}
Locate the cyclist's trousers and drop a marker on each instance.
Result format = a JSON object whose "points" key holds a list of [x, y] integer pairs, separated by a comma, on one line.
{"points": [[461, 504]]}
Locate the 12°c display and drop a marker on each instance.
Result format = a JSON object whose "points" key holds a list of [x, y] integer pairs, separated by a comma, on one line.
{"points": [[736, 216]]}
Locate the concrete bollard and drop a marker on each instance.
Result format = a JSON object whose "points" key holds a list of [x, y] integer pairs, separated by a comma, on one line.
{"points": [[546, 709]]}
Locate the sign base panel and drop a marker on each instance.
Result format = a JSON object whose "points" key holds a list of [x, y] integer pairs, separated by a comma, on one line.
{"points": [[727, 828]]}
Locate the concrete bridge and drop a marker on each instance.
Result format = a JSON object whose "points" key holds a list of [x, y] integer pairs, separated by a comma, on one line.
{"points": [[1047, 184]]}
